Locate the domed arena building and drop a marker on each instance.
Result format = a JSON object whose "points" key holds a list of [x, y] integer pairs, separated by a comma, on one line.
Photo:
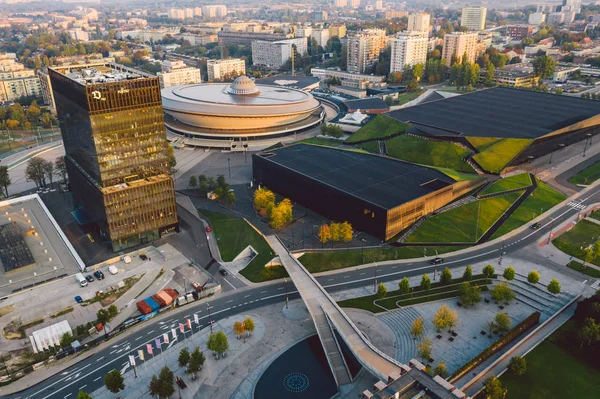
{"points": [[238, 115]]}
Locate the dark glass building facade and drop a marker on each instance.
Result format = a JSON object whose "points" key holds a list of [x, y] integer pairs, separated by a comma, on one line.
{"points": [[111, 119]]}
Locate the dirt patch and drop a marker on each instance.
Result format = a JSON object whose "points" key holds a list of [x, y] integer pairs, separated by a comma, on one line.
{"points": [[6, 310], [16, 330], [108, 300]]}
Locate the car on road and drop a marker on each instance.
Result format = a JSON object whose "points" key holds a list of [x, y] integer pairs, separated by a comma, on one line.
{"points": [[78, 299], [223, 272], [208, 229], [99, 275], [535, 226], [113, 269], [143, 257], [436, 261], [89, 278]]}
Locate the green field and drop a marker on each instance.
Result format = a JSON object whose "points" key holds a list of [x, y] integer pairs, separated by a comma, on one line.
{"points": [[543, 198], [316, 262], [458, 176], [575, 241], [587, 176], [460, 224], [552, 373], [381, 126], [371, 146], [496, 156], [482, 143], [425, 152], [234, 235], [509, 183], [406, 97], [590, 271]]}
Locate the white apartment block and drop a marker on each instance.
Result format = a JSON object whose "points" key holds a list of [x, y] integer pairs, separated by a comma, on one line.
{"points": [[79, 35], [379, 5], [459, 43], [354, 3], [304, 31], [14, 85], [216, 11], [275, 54], [364, 48], [473, 17], [345, 76], [537, 18], [418, 22], [197, 11], [46, 88], [321, 35], [218, 69], [546, 8], [175, 73], [196, 40], [409, 48], [340, 3], [177, 13], [556, 18]]}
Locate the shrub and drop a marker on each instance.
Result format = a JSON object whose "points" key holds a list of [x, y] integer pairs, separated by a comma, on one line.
{"points": [[509, 273], [488, 271], [446, 277], [517, 365], [533, 277], [554, 286]]}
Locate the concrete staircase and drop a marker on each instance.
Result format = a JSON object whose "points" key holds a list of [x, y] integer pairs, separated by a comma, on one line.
{"points": [[332, 350], [411, 230], [400, 321], [456, 204], [536, 296]]}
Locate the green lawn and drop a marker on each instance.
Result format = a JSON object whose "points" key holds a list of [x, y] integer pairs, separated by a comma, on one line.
{"points": [[587, 176], [234, 235], [381, 126], [371, 146], [509, 183], [460, 224], [425, 152], [458, 176], [575, 241], [406, 97], [482, 143], [552, 372], [495, 157], [543, 198], [316, 262], [590, 271], [594, 215]]}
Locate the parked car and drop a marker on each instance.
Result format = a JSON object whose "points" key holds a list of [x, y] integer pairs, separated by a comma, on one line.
{"points": [[78, 299], [208, 229], [437, 261], [143, 257], [535, 226], [89, 278], [113, 269], [99, 275], [223, 272]]}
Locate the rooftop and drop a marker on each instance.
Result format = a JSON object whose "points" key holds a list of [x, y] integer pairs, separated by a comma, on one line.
{"points": [[100, 73], [294, 82], [367, 104], [498, 112], [381, 181]]}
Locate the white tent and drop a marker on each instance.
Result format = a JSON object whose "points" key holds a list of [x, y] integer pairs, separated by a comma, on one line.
{"points": [[49, 336]]}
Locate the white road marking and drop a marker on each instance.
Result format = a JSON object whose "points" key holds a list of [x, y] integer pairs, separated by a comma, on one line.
{"points": [[231, 285], [246, 296], [229, 301], [67, 395], [149, 332], [81, 388], [263, 292], [97, 379], [362, 274], [100, 359], [138, 338], [280, 288], [346, 276]]}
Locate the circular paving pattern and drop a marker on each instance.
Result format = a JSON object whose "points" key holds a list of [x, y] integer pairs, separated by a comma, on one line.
{"points": [[295, 382]]}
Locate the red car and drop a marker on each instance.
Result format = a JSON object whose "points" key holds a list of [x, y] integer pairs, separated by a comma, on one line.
{"points": [[208, 229]]}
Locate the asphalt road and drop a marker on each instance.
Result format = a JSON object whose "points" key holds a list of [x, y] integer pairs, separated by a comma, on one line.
{"points": [[88, 374]]}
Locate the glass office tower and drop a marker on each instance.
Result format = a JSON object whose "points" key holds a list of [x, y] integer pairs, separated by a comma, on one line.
{"points": [[111, 120]]}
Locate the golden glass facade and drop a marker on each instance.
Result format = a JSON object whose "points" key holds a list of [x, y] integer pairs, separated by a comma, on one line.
{"points": [[112, 124]]}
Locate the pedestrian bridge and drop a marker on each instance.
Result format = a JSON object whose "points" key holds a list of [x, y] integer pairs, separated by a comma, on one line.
{"points": [[328, 316]]}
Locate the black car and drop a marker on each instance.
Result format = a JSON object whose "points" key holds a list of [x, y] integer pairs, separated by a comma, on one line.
{"points": [[535, 226], [436, 261], [143, 257], [99, 275], [223, 272], [89, 278]]}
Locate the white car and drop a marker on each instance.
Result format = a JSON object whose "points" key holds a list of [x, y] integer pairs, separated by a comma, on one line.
{"points": [[113, 269]]}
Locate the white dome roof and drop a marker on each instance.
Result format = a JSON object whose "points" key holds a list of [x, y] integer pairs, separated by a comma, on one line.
{"points": [[243, 86]]}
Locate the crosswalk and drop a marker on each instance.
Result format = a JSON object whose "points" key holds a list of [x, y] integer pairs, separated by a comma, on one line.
{"points": [[596, 285], [576, 205]]}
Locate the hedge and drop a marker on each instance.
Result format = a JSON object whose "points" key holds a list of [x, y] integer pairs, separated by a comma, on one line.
{"points": [[513, 334]]}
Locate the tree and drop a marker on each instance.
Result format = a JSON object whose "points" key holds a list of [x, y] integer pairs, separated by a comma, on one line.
{"points": [[404, 286], [559, 91], [184, 357], [502, 293], [33, 112], [83, 395], [249, 325], [4, 180], [468, 274], [554, 286], [502, 321], [103, 316], [417, 327], [48, 170], [389, 101], [424, 349], [446, 276], [113, 311], [488, 271], [470, 294], [441, 370], [35, 171], [203, 183], [281, 214], [445, 318], [493, 388], [60, 168], [114, 381], [381, 291], [543, 67], [238, 329], [589, 332], [166, 379], [222, 344], [66, 340], [417, 71], [230, 198], [509, 273], [46, 120], [490, 74], [193, 181], [412, 85], [154, 386], [345, 232], [324, 233], [517, 365], [196, 362], [533, 277], [425, 283], [172, 159]]}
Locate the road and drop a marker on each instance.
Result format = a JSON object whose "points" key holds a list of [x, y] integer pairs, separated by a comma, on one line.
{"points": [[88, 374]]}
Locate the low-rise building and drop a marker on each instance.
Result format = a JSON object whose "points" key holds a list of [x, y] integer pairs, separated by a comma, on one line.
{"points": [[515, 75], [175, 73], [223, 69], [347, 78], [537, 18], [519, 32], [276, 54], [196, 39]]}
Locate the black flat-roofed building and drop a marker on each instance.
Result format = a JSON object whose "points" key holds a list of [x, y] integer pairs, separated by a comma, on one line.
{"points": [[549, 120], [378, 195]]}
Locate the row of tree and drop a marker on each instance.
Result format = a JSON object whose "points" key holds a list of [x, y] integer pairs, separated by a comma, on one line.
{"points": [[219, 187], [335, 232], [280, 214], [329, 129], [42, 172], [243, 328]]}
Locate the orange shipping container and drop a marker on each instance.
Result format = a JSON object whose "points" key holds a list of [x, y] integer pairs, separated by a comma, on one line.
{"points": [[166, 297]]}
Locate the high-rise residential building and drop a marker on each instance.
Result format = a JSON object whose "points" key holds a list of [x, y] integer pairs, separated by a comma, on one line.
{"points": [[197, 11], [275, 54], [303, 31], [214, 11], [457, 44], [555, 18], [340, 3], [395, 14], [408, 48], [320, 16], [354, 3], [16, 81], [364, 48], [473, 17], [116, 151], [176, 13], [321, 35], [337, 30], [175, 73], [189, 13], [79, 35], [537, 18], [546, 8], [571, 5], [46, 88], [379, 5], [418, 22], [221, 69]]}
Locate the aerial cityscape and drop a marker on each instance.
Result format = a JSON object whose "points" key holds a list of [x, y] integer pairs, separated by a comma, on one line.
{"points": [[312, 199]]}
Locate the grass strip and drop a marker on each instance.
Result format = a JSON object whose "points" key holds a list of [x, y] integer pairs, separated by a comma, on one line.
{"points": [[578, 267]]}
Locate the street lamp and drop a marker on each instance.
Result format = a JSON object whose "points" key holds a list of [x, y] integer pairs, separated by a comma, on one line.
{"points": [[229, 166], [286, 292], [209, 317], [375, 282], [362, 250]]}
